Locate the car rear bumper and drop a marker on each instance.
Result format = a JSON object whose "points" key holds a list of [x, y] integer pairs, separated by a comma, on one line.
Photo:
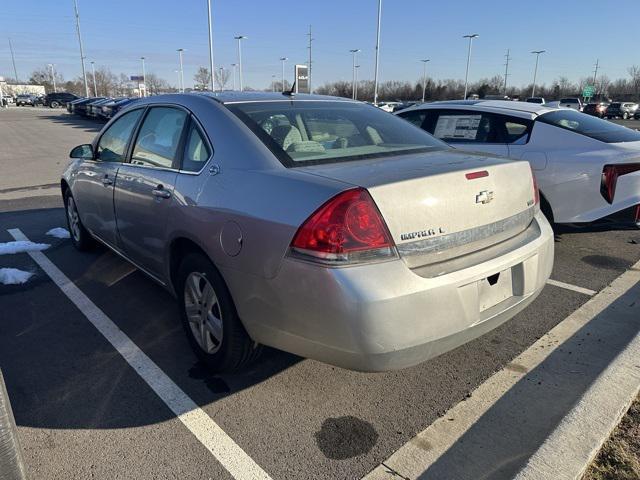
{"points": [[385, 316]]}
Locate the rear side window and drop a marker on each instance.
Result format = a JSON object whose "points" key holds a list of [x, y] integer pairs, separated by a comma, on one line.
{"points": [[113, 143], [197, 150], [589, 126], [159, 138], [461, 126]]}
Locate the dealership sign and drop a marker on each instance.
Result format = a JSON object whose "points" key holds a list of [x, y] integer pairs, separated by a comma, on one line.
{"points": [[302, 78]]}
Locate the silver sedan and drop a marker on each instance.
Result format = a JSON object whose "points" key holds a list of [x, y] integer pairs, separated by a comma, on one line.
{"points": [[320, 226]]}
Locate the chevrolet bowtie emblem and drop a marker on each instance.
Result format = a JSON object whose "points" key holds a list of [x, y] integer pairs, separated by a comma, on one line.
{"points": [[484, 197]]}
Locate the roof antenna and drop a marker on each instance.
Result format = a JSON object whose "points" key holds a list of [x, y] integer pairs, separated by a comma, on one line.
{"points": [[291, 92]]}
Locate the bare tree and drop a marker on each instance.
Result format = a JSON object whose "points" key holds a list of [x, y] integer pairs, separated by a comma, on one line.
{"points": [[222, 77], [157, 85], [634, 73], [42, 76], [202, 78]]}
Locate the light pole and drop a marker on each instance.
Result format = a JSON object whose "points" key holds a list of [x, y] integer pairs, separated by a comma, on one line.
{"points": [[234, 65], [466, 75], [375, 78], [221, 78], [535, 71], [180, 50], [144, 78], [355, 93], [13, 60], [177, 72], [424, 77], [211, 65], [239, 38], [283, 59], [353, 73], [273, 83], [84, 72], [53, 77], [93, 71]]}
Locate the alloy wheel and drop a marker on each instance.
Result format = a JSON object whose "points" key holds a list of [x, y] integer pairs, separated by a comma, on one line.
{"points": [[203, 312], [74, 219]]}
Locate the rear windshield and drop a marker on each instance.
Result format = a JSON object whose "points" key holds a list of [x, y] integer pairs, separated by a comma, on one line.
{"points": [[569, 100], [589, 126], [615, 105], [314, 132]]}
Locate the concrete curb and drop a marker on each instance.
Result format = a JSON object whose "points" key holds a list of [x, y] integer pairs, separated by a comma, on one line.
{"points": [[546, 414]]}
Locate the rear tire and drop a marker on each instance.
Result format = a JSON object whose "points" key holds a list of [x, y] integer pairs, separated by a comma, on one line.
{"points": [[625, 115], [80, 236], [209, 317], [54, 104], [546, 210]]}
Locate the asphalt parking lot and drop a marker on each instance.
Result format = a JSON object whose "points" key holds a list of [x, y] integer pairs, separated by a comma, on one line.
{"points": [[83, 412]]}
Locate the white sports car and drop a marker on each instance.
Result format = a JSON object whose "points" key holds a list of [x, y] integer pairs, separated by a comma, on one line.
{"points": [[587, 168]]}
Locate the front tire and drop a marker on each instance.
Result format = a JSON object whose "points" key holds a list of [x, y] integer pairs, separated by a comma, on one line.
{"points": [[80, 236], [209, 317], [54, 104], [625, 116]]}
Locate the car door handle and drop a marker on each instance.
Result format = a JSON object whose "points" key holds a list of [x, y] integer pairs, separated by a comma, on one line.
{"points": [[160, 192], [106, 181]]}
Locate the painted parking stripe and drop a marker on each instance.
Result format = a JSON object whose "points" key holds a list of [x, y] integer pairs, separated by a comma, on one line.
{"points": [[580, 431], [573, 288], [222, 447]]}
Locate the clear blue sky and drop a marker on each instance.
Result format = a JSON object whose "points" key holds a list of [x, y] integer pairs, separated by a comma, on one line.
{"points": [[117, 32]]}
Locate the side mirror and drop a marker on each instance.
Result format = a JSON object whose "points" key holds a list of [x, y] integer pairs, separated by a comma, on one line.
{"points": [[82, 151]]}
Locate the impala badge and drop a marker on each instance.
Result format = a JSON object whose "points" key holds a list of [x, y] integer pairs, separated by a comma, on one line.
{"points": [[484, 197]]}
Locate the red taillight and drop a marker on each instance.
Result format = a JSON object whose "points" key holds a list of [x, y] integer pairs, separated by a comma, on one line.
{"points": [[610, 174], [346, 229], [536, 191]]}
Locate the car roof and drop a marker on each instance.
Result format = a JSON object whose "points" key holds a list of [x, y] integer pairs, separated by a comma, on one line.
{"points": [[523, 108]]}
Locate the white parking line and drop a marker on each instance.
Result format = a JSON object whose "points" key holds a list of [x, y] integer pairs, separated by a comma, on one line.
{"points": [[574, 288], [221, 446]]}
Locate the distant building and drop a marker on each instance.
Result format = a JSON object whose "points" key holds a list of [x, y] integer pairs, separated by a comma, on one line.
{"points": [[14, 89]]}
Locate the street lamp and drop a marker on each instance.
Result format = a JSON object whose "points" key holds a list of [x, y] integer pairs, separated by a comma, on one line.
{"points": [[355, 93], [221, 79], [466, 75], [234, 65], [180, 50], [144, 78], [239, 38], [211, 65], [424, 77], [535, 71], [177, 72], [375, 78], [273, 83], [283, 59], [95, 88], [353, 74], [53, 77]]}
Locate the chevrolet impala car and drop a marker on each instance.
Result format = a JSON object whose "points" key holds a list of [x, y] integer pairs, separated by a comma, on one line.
{"points": [[320, 226]]}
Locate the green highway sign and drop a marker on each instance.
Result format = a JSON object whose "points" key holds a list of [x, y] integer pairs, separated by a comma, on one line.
{"points": [[588, 91]]}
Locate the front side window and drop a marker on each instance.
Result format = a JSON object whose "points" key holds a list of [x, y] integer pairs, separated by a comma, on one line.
{"points": [[159, 138], [197, 151], [589, 126], [113, 143], [414, 116], [314, 132]]}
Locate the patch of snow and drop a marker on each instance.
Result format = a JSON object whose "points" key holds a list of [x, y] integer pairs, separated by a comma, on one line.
{"points": [[13, 276], [21, 246], [59, 233]]}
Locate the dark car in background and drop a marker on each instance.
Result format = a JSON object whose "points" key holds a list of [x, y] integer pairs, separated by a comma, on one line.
{"points": [[59, 99], [26, 99], [597, 109], [623, 110], [93, 108], [80, 107], [110, 109]]}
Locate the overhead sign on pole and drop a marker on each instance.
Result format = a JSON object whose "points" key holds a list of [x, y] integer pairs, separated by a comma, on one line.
{"points": [[136, 78], [302, 78], [588, 91]]}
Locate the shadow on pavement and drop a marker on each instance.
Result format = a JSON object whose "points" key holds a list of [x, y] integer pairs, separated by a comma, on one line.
{"points": [[496, 447], [75, 121]]}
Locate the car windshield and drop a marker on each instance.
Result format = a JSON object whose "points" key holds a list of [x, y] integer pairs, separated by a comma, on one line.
{"points": [[590, 126], [315, 132]]}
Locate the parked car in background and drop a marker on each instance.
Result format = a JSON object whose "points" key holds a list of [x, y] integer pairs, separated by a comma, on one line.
{"points": [[587, 168], [110, 109], [388, 106], [26, 99], [393, 248], [402, 106], [59, 99], [80, 107], [535, 100], [597, 109], [71, 105], [636, 115], [8, 98], [93, 109], [574, 103], [622, 110]]}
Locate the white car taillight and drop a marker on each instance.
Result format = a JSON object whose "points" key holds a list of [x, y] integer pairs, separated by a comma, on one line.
{"points": [[348, 229]]}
